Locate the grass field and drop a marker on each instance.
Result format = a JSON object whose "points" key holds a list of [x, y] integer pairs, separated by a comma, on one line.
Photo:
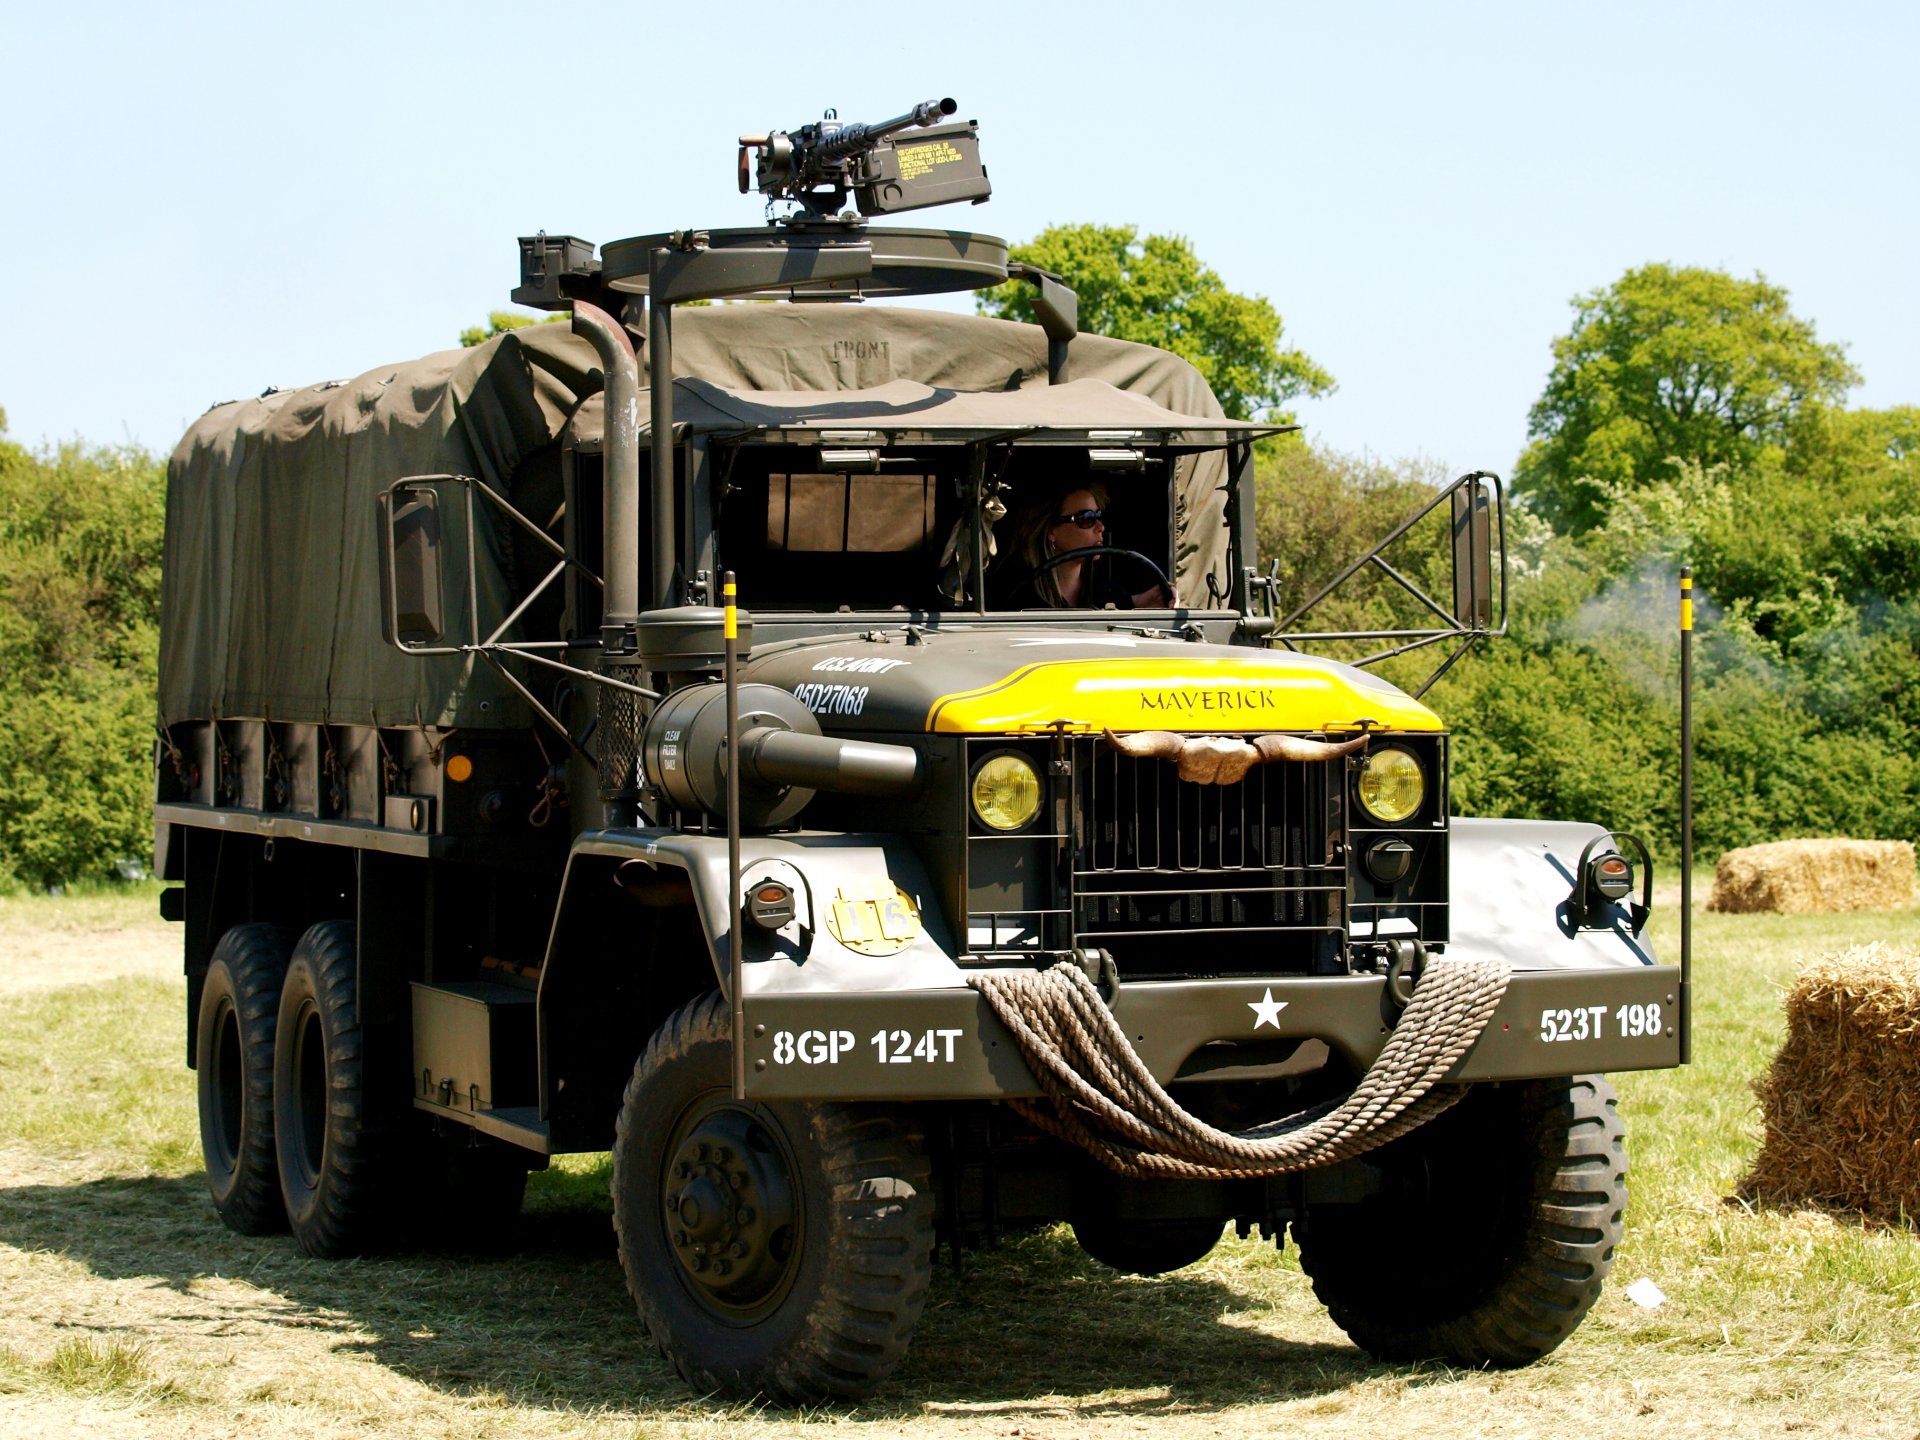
{"points": [[127, 1310]]}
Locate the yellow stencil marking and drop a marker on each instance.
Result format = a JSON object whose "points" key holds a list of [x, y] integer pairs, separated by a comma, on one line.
{"points": [[873, 917]]}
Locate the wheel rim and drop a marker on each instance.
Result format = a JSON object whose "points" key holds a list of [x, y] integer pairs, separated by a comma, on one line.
{"points": [[730, 1211], [227, 1090], [310, 1097]]}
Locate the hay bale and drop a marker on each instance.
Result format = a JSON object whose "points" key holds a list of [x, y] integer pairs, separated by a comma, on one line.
{"points": [[1841, 1102], [1806, 876]]}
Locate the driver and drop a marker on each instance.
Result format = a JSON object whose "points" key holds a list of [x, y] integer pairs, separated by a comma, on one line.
{"points": [[1075, 520]]}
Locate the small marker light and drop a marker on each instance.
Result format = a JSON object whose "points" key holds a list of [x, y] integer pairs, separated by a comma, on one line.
{"points": [[770, 904], [1613, 877]]}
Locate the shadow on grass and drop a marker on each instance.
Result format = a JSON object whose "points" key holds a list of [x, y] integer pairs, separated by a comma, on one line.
{"points": [[1890, 1217], [547, 1322]]}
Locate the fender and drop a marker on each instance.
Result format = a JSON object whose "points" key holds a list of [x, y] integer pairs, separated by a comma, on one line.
{"points": [[1511, 883], [834, 876], [616, 965]]}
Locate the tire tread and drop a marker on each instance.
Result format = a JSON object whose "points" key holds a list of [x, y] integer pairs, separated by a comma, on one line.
{"points": [[879, 1264]]}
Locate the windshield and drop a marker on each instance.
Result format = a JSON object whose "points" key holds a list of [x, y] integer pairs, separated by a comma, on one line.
{"points": [[903, 529]]}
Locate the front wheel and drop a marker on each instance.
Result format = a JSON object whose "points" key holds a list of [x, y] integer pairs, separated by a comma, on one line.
{"points": [[1494, 1229], [779, 1250]]}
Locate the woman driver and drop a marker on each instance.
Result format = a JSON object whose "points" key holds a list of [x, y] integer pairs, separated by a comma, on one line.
{"points": [[1075, 521]]}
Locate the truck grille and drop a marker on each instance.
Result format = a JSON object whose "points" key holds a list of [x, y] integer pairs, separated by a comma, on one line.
{"points": [[1256, 867]]}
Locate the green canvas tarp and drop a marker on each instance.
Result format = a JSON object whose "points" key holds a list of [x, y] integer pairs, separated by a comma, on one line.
{"points": [[271, 599]]}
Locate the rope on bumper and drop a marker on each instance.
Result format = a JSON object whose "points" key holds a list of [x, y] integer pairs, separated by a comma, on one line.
{"points": [[1104, 1098]]}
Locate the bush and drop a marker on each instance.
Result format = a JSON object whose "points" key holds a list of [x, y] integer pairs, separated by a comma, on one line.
{"points": [[1807, 661], [80, 554]]}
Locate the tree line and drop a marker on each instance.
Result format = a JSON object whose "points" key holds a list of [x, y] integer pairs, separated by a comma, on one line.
{"points": [[1688, 417], [80, 554]]}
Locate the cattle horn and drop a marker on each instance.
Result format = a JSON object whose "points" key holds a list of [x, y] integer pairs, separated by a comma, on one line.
{"points": [[1148, 744], [1295, 747], [1226, 759]]}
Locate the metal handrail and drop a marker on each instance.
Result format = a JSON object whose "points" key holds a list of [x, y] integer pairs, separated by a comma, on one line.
{"points": [[1467, 633]]}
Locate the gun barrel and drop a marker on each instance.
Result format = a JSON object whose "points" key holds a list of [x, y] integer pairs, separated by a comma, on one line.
{"points": [[852, 139]]}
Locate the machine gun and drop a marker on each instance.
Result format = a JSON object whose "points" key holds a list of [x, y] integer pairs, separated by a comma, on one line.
{"points": [[818, 165]]}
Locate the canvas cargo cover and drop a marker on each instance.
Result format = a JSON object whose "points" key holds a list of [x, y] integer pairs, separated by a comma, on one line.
{"points": [[271, 598]]}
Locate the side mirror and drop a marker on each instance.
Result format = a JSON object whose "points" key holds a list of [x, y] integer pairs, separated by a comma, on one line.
{"points": [[414, 599], [1473, 556]]}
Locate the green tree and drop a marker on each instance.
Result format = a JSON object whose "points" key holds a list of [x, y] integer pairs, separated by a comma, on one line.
{"points": [[1671, 363], [80, 554], [501, 321], [1156, 291]]}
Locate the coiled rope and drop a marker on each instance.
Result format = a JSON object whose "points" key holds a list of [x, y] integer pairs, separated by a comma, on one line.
{"points": [[1104, 1098]]}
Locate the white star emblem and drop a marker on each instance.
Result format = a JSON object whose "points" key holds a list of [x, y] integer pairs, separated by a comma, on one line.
{"points": [[1266, 1010]]}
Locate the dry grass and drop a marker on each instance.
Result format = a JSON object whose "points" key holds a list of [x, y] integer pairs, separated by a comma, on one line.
{"points": [[1841, 1100], [1797, 877], [1777, 1321]]}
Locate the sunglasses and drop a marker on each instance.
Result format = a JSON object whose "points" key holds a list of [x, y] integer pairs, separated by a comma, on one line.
{"points": [[1085, 519]]}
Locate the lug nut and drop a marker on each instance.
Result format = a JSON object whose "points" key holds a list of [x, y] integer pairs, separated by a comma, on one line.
{"points": [[680, 1237], [721, 1267], [739, 1251], [744, 1215], [700, 1151], [737, 1179], [698, 1262], [682, 1170], [721, 1155]]}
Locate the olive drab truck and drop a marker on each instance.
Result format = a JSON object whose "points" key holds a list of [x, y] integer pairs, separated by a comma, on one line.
{"points": [[638, 733]]}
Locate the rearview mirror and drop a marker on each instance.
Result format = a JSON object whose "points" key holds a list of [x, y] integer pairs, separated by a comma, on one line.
{"points": [[414, 599], [1472, 556]]}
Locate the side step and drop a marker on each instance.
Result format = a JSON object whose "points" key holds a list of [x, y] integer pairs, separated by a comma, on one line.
{"points": [[475, 1059]]}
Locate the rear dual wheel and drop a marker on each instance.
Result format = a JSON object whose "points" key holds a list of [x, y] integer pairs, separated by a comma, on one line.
{"points": [[339, 1167], [781, 1251], [290, 1136], [233, 1059]]}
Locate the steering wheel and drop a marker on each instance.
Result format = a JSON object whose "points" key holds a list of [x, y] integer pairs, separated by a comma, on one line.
{"points": [[1088, 552]]}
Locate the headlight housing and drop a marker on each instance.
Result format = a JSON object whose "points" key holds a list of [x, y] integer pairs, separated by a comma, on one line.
{"points": [[1392, 785], [1005, 791]]}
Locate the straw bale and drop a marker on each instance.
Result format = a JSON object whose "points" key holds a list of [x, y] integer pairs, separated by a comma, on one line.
{"points": [[1792, 877], [1841, 1102]]}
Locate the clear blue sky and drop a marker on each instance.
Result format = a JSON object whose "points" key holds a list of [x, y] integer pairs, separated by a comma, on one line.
{"points": [[202, 201]]}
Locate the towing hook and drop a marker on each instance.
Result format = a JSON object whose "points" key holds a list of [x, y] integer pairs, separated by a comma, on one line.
{"points": [[1099, 967], [1407, 963]]}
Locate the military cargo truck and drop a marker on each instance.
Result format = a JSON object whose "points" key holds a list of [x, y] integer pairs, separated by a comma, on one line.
{"points": [[890, 901]]}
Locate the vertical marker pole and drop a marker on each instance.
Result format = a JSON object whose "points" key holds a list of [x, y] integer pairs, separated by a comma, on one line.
{"points": [[1686, 814], [737, 959]]}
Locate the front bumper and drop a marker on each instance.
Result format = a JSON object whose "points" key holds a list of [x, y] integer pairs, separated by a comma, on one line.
{"points": [[946, 1045]]}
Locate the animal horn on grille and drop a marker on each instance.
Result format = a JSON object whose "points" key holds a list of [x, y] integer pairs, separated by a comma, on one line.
{"points": [[1295, 747], [1148, 744], [1224, 759]]}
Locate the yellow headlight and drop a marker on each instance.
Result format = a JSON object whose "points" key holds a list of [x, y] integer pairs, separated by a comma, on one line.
{"points": [[1006, 791], [1392, 785]]}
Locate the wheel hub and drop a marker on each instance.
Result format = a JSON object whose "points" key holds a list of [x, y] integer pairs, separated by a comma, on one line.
{"points": [[729, 1209]]}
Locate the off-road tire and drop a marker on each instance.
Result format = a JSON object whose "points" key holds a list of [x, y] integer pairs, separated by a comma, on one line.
{"points": [[340, 1170], [1146, 1247], [828, 1316], [233, 1057], [1495, 1230]]}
